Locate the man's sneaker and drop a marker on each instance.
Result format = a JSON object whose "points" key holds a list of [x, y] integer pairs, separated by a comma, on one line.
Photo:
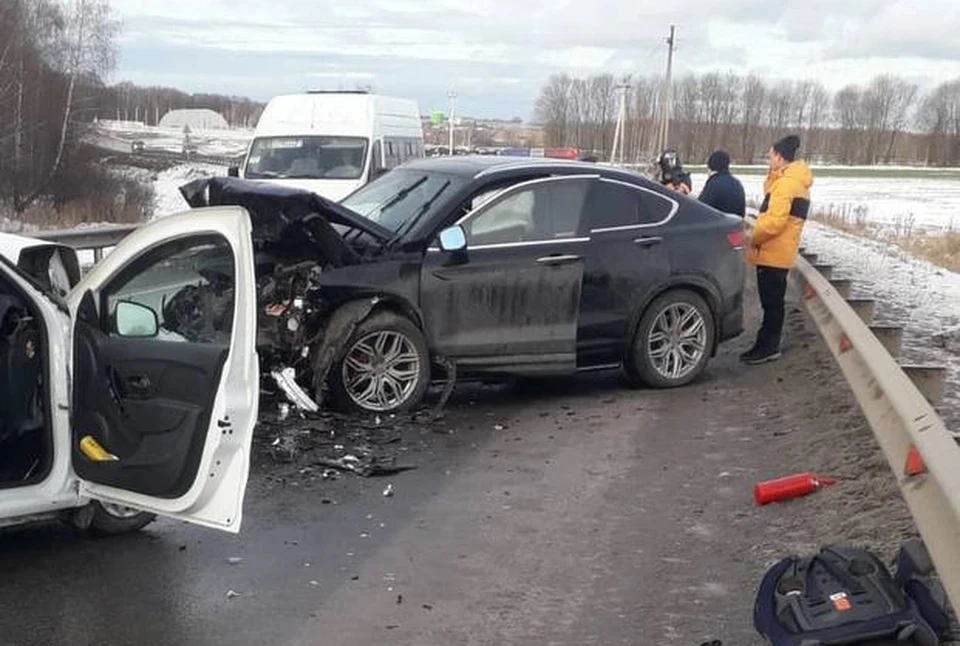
{"points": [[757, 356]]}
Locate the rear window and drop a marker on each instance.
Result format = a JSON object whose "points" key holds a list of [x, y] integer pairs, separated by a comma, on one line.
{"points": [[612, 204]]}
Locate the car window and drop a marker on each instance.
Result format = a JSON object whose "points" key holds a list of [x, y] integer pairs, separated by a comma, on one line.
{"points": [[654, 208], [394, 199], [612, 205], [545, 211], [189, 285], [307, 157]]}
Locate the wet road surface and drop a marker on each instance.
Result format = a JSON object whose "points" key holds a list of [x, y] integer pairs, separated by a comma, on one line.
{"points": [[571, 512]]}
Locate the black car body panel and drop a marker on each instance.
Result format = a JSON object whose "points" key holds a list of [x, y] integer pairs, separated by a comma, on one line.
{"points": [[520, 298]]}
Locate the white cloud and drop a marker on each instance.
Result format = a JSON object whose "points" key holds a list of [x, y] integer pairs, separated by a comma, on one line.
{"points": [[430, 45]]}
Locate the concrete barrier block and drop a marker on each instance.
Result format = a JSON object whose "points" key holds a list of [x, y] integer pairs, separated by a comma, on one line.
{"points": [[864, 307], [890, 337], [930, 381], [843, 286]]}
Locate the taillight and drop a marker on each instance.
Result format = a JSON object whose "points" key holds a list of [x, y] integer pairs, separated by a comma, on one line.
{"points": [[736, 238]]}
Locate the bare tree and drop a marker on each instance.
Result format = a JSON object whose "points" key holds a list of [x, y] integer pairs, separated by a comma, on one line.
{"points": [[552, 109]]}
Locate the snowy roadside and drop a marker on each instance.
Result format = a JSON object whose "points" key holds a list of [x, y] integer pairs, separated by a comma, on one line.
{"points": [[921, 297], [166, 187]]}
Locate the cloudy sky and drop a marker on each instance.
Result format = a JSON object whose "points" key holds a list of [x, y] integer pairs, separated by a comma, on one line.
{"points": [[496, 53]]}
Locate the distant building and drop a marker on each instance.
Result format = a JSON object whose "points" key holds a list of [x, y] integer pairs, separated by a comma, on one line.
{"points": [[198, 119]]}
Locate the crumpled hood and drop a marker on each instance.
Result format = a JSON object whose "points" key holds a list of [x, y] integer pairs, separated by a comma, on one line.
{"points": [[294, 222]]}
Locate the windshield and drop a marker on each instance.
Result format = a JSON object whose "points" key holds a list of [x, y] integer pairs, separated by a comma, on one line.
{"points": [[307, 158], [395, 198]]}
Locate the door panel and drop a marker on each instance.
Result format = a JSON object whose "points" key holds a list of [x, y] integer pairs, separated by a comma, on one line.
{"points": [[511, 300], [172, 392], [148, 402], [504, 308], [626, 260]]}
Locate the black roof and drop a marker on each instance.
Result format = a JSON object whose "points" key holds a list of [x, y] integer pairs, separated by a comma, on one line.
{"points": [[472, 165]]}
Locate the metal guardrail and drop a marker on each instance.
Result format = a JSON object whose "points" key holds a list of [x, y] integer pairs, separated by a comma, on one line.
{"points": [[924, 456], [93, 238]]}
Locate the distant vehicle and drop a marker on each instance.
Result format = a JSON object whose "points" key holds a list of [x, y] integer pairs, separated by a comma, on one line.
{"points": [[108, 414], [499, 266], [332, 143]]}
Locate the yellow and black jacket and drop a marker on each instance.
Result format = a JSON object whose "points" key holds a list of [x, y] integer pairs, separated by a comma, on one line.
{"points": [[786, 203]]}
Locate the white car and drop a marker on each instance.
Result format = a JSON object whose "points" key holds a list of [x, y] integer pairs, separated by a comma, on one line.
{"points": [[107, 418]]}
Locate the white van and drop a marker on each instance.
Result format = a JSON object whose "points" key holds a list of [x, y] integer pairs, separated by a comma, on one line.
{"points": [[332, 142]]}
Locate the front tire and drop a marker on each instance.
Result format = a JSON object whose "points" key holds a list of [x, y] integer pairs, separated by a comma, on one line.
{"points": [[385, 367], [673, 341], [114, 520]]}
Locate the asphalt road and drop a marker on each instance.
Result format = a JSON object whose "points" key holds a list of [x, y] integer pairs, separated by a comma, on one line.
{"points": [[586, 513]]}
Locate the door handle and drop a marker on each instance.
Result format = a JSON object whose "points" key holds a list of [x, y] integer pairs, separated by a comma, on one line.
{"points": [[139, 385], [647, 241], [559, 259]]}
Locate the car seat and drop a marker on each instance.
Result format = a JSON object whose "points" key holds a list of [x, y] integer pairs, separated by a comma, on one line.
{"points": [[20, 363]]}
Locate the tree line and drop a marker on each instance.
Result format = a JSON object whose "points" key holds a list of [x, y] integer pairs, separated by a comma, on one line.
{"points": [[54, 57], [888, 120]]}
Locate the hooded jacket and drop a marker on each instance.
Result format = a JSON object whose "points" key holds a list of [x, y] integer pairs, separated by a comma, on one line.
{"points": [[786, 203]]}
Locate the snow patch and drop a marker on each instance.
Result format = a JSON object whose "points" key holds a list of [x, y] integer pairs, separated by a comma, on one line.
{"points": [[167, 199], [913, 293]]}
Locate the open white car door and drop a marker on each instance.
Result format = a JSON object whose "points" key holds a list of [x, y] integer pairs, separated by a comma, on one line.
{"points": [[165, 370]]}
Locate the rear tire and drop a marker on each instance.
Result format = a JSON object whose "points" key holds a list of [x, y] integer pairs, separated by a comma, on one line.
{"points": [[385, 366], [673, 341], [109, 520]]}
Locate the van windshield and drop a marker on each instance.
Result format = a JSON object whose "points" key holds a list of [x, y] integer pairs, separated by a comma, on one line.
{"points": [[307, 158]]}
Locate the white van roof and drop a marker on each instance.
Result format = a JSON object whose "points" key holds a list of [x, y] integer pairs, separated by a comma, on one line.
{"points": [[331, 113]]}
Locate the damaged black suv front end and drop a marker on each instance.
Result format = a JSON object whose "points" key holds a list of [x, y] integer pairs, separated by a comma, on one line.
{"points": [[307, 309]]}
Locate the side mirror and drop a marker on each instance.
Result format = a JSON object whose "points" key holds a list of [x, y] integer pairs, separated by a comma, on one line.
{"points": [[233, 171], [135, 321], [453, 239]]}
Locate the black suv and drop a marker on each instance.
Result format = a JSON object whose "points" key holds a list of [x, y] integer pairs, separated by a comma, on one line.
{"points": [[487, 267]]}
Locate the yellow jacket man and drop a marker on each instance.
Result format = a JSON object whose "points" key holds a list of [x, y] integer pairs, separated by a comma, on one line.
{"points": [[775, 241]]}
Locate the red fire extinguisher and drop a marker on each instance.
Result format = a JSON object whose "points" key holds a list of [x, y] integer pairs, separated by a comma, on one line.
{"points": [[794, 486]]}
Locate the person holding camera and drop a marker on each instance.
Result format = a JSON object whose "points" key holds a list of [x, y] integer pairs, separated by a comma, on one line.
{"points": [[672, 174], [775, 241]]}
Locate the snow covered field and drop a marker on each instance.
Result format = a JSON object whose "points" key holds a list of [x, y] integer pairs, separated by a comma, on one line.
{"points": [[914, 201], [211, 143]]}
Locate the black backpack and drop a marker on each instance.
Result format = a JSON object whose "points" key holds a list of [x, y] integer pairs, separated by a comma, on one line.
{"points": [[839, 596]]}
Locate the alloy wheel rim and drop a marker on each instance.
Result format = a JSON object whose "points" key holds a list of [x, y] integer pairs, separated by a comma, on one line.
{"points": [[677, 341], [381, 371]]}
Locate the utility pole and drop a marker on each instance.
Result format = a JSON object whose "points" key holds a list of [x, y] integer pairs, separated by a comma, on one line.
{"points": [[619, 134], [663, 136], [453, 103]]}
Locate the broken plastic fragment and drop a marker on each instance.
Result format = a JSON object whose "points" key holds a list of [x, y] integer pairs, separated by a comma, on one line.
{"points": [[286, 380], [234, 560], [388, 492], [231, 594]]}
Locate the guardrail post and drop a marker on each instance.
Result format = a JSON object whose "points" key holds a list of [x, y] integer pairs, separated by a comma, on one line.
{"points": [[824, 270], [929, 380], [843, 286], [890, 337]]}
